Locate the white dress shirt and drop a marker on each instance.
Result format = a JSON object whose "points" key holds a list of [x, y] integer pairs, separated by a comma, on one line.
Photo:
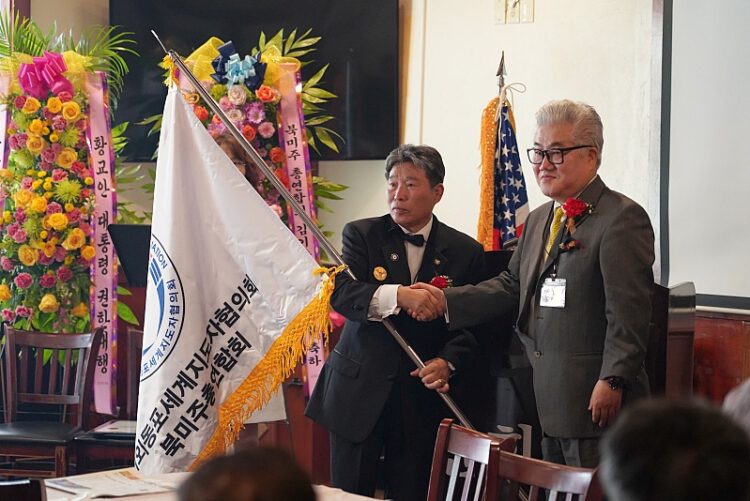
{"points": [[383, 303]]}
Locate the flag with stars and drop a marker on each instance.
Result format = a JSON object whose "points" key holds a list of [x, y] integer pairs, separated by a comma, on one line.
{"points": [[504, 204]]}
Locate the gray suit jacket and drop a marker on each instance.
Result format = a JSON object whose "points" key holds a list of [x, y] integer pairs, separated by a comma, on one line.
{"points": [[602, 330]]}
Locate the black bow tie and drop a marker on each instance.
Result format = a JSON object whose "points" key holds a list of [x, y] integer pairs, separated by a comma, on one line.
{"points": [[417, 240]]}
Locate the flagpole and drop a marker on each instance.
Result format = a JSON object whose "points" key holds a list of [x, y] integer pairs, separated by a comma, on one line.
{"points": [[300, 211]]}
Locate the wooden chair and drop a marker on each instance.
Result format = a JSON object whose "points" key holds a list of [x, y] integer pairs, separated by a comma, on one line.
{"points": [[514, 471], [66, 380], [461, 461], [23, 490]]}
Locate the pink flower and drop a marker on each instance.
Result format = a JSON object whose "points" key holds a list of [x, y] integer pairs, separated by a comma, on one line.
{"points": [[22, 138], [81, 143], [59, 175], [64, 274], [266, 129], [23, 281], [47, 281], [20, 236], [13, 143], [64, 96], [26, 183], [13, 228], [48, 155], [8, 315], [23, 311], [3, 194], [54, 208], [44, 260], [86, 229], [57, 148], [47, 114], [59, 123], [6, 263], [78, 167], [225, 103], [46, 166], [19, 101], [74, 216], [60, 254], [82, 124], [216, 129], [20, 215]]}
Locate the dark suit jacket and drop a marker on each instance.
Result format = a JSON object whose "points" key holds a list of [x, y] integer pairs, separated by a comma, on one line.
{"points": [[603, 329], [360, 372]]}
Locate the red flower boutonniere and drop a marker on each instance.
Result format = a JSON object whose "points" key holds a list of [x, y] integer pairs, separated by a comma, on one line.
{"points": [[570, 244], [575, 209], [442, 281]]}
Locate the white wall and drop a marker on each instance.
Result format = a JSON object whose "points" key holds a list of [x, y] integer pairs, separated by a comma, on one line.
{"points": [[597, 51]]}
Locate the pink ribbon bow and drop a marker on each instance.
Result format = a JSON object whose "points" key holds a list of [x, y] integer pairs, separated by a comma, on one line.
{"points": [[44, 75]]}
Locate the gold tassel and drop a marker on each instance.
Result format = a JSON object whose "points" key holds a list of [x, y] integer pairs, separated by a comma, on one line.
{"points": [[275, 366], [487, 146]]}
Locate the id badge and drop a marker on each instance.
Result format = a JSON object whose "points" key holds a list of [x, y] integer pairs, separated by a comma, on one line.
{"points": [[553, 293]]}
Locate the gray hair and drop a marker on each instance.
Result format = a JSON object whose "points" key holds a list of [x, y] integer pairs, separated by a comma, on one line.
{"points": [[587, 124], [426, 158]]}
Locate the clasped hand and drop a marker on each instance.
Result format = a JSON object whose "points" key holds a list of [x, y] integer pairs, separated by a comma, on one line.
{"points": [[422, 301]]}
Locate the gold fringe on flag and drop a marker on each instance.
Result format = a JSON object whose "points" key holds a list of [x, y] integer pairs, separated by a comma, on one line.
{"points": [[275, 366], [487, 147]]}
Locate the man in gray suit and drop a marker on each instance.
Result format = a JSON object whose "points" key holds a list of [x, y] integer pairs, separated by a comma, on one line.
{"points": [[581, 279]]}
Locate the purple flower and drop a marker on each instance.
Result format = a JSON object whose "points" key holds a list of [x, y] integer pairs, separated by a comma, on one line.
{"points": [[23, 311], [60, 254], [23, 281], [266, 129], [6, 263], [47, 281], [8, 315], [255, 112], [225, 103], [216, 129]]}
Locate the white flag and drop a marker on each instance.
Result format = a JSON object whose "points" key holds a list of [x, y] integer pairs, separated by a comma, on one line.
{"points": [[232, 301]]}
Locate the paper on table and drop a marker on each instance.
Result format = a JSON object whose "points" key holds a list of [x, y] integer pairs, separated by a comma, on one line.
{"points": [[112, 484]]}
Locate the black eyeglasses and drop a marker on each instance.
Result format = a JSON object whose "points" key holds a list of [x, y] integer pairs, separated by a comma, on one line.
{"points": [[556, 156]]}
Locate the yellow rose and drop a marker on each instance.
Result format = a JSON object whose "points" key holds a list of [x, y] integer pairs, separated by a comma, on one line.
{"points": [[54, 137], [88, 253], [71, 111], [54, 104], [49, 249], [58, 221], [47, 185], [28, 255], [31, 105], [36, 126], [81, 310], [7, 218], [66, 158], [43, 234], [39, 204], [4, 292], [22, 198], [74, 240], [88, 181], [36, 184], [45, 131], [49, 303], [35, 144]]}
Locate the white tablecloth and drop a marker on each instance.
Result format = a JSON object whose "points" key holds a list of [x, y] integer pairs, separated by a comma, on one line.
{"points": [[323, 492]]}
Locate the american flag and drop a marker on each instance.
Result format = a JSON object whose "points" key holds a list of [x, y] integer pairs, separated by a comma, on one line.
{"points": [[511, 201]]}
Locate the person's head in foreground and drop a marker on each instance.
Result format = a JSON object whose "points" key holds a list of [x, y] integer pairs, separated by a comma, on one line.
{"points": [[239, 158], [258, 474], [662, 450]]}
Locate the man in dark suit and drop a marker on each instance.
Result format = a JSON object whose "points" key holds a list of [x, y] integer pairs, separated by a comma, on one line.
{"points": [[369, 395], [581, 278]]}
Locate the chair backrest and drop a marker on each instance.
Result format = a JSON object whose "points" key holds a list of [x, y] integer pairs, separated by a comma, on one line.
{"points": [[68, 378], [461, 461], [134, 343], [23, 490], [561, 482]]}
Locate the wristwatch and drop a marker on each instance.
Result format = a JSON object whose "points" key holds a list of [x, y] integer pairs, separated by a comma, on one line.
{"points": [[615, 382], [451, 368]]}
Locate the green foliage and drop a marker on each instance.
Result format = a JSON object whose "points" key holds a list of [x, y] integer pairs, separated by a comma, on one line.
{"points": [[20, 34]]}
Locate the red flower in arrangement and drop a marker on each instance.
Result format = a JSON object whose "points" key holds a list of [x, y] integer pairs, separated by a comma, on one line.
{"points": [[575, 207], [441, 281]]}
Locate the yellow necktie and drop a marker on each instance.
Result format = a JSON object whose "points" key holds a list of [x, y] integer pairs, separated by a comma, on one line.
{"points": [[554, 230]]}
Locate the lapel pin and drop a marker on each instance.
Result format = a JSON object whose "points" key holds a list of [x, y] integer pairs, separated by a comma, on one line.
{"points": [[394, 256], [379, 273], [437, 262]]}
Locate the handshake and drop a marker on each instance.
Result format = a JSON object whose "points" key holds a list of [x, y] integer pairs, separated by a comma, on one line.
{"points": [[423, 302]]}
